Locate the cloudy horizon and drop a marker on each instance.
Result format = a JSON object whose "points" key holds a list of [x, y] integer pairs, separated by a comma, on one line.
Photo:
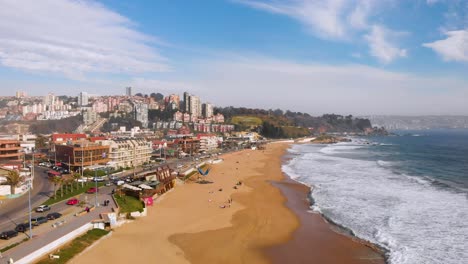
{"points": [[362, 57]]}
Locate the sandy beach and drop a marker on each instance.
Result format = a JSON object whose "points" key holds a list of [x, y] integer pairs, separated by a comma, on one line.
{"points": [[261, 225]]}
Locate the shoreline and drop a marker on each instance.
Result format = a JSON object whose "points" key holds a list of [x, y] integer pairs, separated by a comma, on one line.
{"points": [[264, 223], [313, 223]]}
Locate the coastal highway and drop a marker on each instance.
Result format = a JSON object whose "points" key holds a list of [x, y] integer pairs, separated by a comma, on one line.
{"points": [[13, 211]]}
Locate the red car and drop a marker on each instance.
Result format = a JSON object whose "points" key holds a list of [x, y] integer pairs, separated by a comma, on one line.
{"points": [[92, 190], [72, 201]]}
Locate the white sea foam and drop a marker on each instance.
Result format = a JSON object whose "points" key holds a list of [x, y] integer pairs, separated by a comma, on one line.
{"points": [[384, 163], [416, 221], [341, 148]]}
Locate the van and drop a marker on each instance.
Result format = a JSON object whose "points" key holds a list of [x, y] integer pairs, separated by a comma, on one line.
{"points": [[39, 220]]}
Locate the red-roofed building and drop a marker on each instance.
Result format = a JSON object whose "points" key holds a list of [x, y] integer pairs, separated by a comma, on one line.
{"points": [[59, 138], [94, 139]]}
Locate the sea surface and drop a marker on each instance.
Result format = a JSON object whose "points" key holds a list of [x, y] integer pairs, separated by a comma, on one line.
{"points": [[407, 193]]}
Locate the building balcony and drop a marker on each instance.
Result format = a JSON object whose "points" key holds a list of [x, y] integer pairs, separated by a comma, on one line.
{"points": [[9, 155], [10, 148]]}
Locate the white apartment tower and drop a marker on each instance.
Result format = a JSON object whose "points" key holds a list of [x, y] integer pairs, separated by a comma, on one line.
{"points": [[207, 110], [195, 106], [141, 114], [83, 99], [128, 91]]}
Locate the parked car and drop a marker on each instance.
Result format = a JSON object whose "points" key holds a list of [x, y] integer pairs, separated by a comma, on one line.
{"points": [[92, 190], [54, 215], [72, 201], [8, 234], [98, 179], [43, 208], [22, 227], [113, 177], [39, 220], [119, 182]]}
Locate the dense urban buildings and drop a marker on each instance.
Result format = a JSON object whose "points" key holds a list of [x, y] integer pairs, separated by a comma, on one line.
{"points": [[10, 151]]}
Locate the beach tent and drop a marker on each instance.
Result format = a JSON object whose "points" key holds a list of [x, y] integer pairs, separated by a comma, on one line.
{"points": [[203, 173]]}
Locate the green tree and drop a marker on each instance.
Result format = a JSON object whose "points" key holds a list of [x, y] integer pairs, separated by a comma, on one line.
{"points": [[55, 181], [13, 179]]}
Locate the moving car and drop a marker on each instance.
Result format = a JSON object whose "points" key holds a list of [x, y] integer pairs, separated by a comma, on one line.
{"points": [[92, 190], [8, 234], [98, 179], [39, 220], [54, 215], [43, 208], [72, 201], [22, 227]]}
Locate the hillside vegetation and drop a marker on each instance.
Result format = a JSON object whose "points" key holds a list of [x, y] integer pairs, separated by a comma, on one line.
{"points": [[279, 124]]}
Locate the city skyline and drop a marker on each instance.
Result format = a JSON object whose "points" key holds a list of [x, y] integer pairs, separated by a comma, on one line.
{"points": [[357, 57]]}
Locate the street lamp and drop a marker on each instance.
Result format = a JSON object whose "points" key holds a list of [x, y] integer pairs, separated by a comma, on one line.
{"points": [[31, 177]]}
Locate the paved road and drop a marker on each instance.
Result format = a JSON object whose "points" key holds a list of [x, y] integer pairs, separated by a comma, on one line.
{"points": [[51, 235], [45, 233], [13, 211]]}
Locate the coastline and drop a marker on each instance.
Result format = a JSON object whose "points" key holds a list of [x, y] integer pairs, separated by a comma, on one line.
{"points": [[267, 222]]}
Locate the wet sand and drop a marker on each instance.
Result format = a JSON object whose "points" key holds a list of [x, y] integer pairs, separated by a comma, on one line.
{"points": [[187, 224]]}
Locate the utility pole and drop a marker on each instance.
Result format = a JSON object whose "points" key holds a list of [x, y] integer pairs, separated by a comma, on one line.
{"points": [[82, 160], [134, 157], [95, 181], [31, 177]]}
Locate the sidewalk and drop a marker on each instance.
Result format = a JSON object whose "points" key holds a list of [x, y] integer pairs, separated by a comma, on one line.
{"points": [[44, 238]]}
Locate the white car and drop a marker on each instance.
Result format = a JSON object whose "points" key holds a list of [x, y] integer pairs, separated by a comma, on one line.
{"points": [[43, 208]]}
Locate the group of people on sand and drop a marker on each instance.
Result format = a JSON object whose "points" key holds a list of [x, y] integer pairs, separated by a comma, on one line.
{"points": [[229, 202]]}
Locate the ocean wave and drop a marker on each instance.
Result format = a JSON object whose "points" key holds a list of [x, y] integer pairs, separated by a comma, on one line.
{"points": [[384, 163], [340, 148], [415, 220]]}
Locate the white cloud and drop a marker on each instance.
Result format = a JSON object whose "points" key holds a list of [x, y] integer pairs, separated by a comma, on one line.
{"points": [[339, 20], [381, 43], [328, 19], [317, 88], [73, 38], [453, 48], [431, 2], [146, 85]]}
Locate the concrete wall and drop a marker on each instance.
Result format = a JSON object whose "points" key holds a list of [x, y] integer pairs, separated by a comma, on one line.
{"points": [[54, 245]]}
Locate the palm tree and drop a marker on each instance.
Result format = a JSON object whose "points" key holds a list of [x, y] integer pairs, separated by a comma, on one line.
{"points": [[55, 181], [13, 179], [68, 180], [76, 176]]}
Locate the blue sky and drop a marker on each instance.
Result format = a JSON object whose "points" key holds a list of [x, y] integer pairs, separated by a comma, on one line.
{"points": [[342, 56]]}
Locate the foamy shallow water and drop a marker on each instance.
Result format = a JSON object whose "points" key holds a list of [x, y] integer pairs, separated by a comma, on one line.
{"points": [[416, 221]]}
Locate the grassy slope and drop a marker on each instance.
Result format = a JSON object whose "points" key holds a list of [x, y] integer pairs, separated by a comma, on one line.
{"points": [[76, 246]]}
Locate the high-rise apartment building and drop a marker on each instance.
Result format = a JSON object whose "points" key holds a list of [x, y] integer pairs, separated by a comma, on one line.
{"points": [[20, 94], [49, 99], [83, 99], [186, 102], [128, 91], [89, 117], [141, 114], [207, 110], [195, 106]]}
